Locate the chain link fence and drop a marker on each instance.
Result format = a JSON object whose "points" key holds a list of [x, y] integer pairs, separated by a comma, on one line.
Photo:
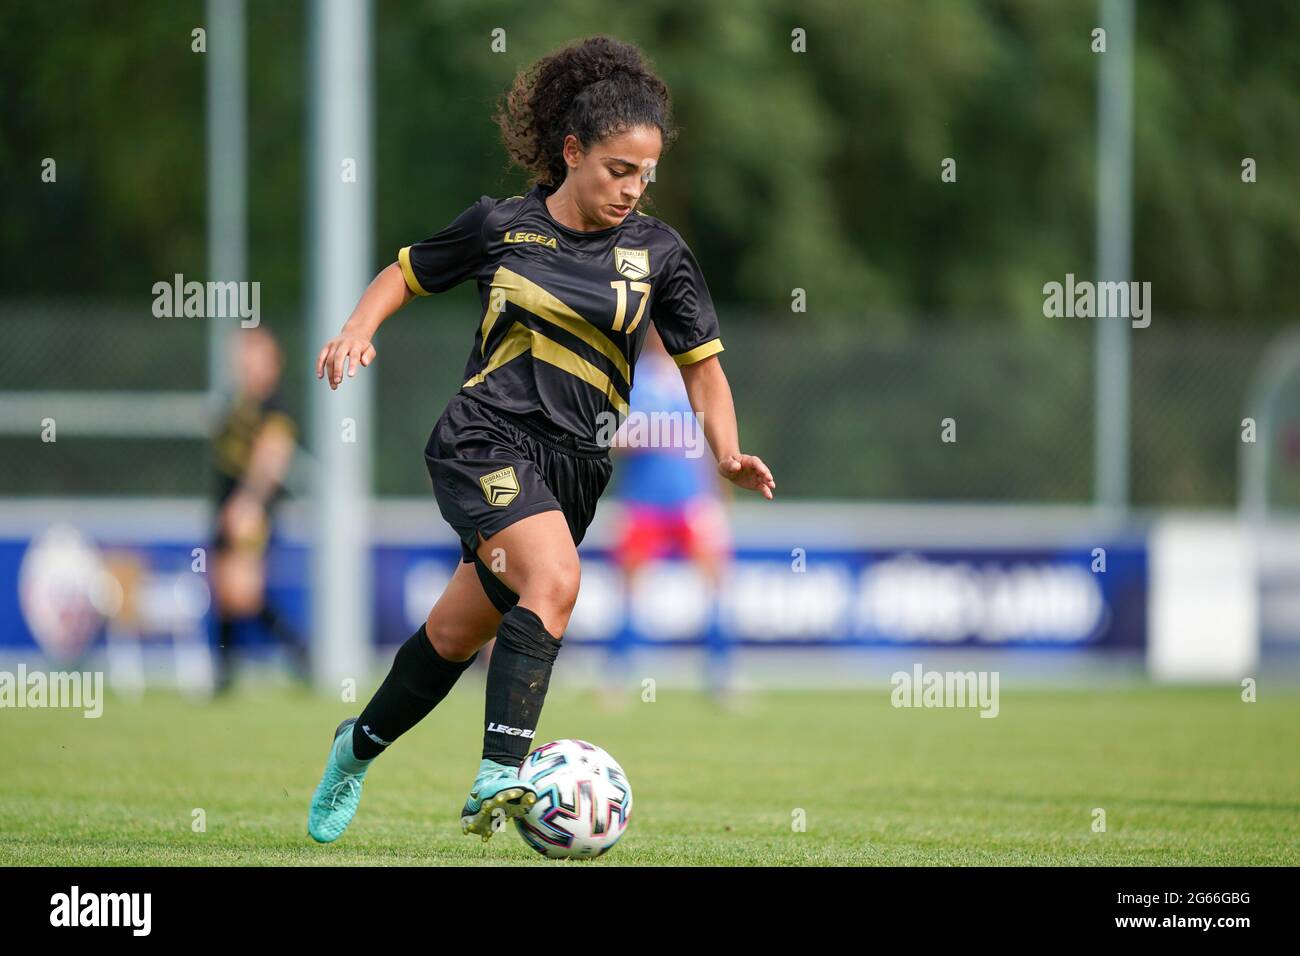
{"points": [[847, 410]]}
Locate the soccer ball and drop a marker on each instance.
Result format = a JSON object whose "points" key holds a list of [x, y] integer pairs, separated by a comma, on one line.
{"points": [[583, 803]]}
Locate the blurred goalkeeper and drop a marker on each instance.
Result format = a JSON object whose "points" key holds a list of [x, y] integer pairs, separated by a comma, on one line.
{"points": [[251, 452]]}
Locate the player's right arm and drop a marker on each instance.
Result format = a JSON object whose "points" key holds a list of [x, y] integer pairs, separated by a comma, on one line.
{"points": [[387, 293], [435, 265]]}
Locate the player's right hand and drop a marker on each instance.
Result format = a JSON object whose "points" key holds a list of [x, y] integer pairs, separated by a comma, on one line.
{"points": [[335, 356]]}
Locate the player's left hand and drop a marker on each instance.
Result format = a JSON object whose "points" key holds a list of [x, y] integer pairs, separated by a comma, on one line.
{"points": [[748, 471], [243, 518]]}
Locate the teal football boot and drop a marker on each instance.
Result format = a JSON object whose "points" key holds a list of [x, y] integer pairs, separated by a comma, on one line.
{"points": [[339, 792], [496, 788]]}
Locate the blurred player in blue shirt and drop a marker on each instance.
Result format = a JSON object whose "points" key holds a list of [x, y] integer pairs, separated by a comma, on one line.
{"points": [[670, 495]]}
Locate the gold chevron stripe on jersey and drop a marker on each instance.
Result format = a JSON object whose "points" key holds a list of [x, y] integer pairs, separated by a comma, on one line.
{"points": [[531, 297], [521, 339]]}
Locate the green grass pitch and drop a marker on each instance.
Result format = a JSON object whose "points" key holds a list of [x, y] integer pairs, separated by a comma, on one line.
{"points": [[1185, 776]]}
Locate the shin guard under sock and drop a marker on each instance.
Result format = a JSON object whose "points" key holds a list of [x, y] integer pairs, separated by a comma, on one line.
{"points": [[518, 676]]}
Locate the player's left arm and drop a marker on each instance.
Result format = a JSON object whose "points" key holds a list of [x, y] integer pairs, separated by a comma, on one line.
{"points": [[710, 396], [270, 459], [268, 465]]}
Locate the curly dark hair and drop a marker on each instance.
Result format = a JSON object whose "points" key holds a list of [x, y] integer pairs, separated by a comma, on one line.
{"points": [[593, 88]]}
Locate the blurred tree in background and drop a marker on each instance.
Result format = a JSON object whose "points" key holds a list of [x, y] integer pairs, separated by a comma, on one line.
{"points": [[816, 170]]}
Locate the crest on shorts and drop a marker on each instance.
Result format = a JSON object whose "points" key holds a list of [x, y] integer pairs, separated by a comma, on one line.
{"points": [[633, 263], [501, 487]]}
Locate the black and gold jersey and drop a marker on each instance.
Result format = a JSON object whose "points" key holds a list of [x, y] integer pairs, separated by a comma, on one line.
{"points": [[237, 431], [564, 313]]}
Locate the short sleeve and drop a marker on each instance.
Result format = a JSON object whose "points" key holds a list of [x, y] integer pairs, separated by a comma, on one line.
{"points": [[683, 311], [447, 259]]}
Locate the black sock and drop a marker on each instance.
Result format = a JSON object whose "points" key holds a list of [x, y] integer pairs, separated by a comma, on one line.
{"points": [[277, 626], [225, 656], [518, 675], [418, 682], [286, 636]]}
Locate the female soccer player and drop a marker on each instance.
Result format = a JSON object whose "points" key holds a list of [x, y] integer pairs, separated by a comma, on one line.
{"points": [[569, 275], [252, 450]]}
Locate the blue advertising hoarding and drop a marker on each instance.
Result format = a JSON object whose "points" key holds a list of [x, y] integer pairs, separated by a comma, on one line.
{"points": [[53, 596]]}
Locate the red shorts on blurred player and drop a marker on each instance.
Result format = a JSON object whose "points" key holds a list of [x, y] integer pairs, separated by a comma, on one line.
{"points": [[697, 529]]}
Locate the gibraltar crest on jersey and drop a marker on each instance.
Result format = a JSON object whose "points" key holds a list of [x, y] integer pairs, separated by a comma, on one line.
{"points": [[633, 263], [501, 487]]}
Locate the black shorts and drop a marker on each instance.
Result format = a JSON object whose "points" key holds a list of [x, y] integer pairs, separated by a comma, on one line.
{"points": [[490, 469]]}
